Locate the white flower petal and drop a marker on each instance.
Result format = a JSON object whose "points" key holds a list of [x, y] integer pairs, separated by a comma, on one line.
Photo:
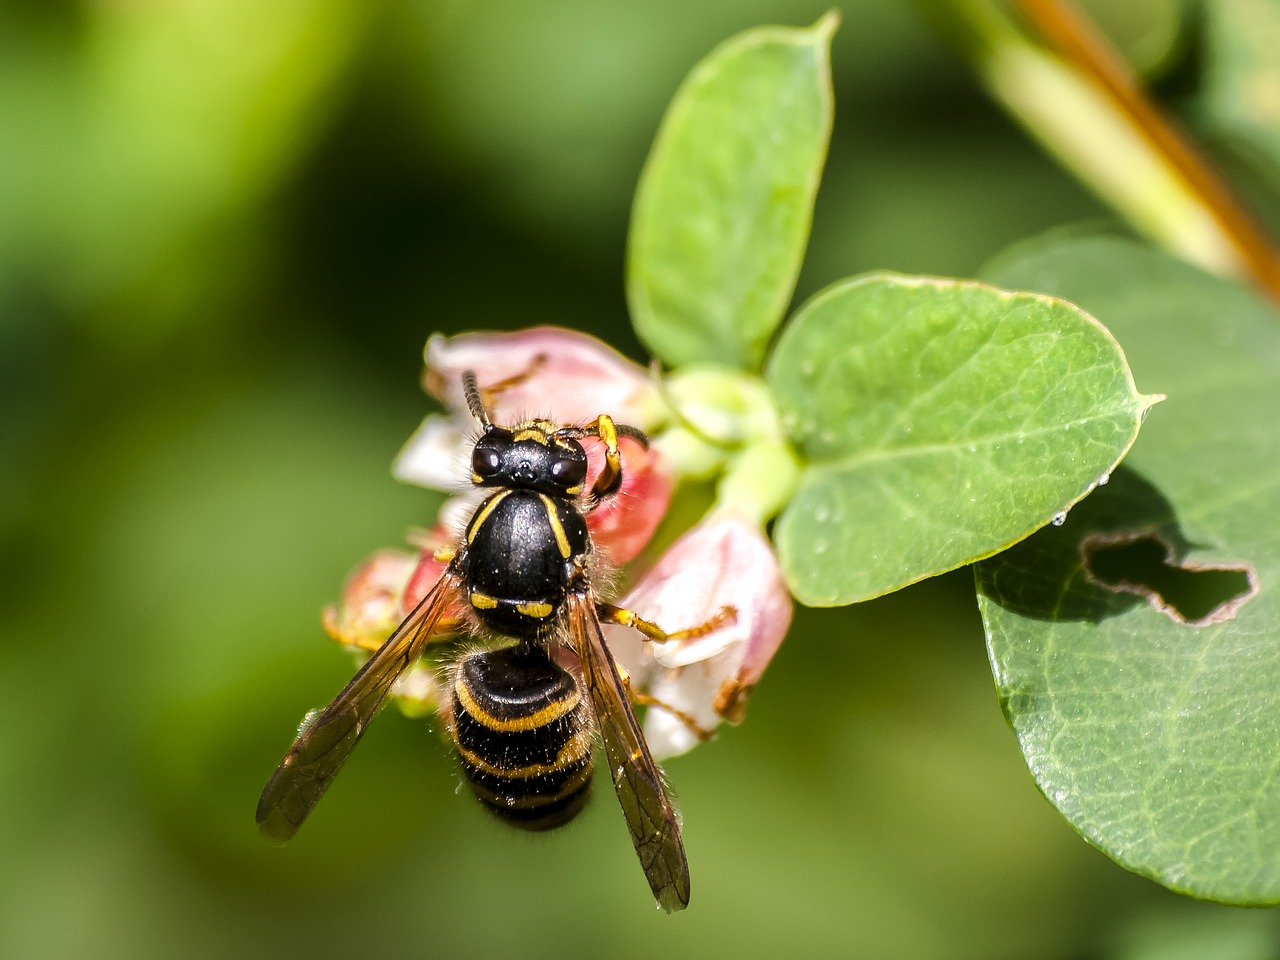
{"points": [[435, 456], [690, 690]]}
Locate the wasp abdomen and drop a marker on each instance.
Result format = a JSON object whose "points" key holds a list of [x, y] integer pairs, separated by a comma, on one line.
{"points": [[523, 735]]}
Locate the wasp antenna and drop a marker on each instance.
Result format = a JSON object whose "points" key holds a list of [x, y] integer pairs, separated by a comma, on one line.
{"points": [[472, 391], [635, 433]]}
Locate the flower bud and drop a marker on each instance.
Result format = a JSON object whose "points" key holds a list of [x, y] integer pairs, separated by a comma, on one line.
{"points": [[370, 607], [429, 569], [563, 375]]}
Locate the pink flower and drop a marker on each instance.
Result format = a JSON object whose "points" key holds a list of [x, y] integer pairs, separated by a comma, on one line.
{"points": [[725, 561], [624, 524], [370, 606], [384, 589], [428, 569], [563, 375]]}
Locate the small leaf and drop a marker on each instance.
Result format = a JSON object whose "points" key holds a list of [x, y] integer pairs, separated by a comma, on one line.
{"points": [[725, 202], [942, 421], [1143, 695]]}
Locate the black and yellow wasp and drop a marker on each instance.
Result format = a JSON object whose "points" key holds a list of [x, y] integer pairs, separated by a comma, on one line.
{"points": [[522, 571]]}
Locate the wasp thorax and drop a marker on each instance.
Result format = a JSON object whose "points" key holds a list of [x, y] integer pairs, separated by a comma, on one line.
{"points": [[529, 457]]}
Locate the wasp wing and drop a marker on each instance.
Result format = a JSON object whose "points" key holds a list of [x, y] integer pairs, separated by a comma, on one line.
{"points": [[324, 744], [655, 830]]}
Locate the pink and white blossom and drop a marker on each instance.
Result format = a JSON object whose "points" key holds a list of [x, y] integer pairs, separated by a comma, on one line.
{"points": [[563, 375], [725, 561]]}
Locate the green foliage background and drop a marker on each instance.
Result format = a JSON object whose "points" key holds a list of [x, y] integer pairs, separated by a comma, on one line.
{"points": [[225, 233]]}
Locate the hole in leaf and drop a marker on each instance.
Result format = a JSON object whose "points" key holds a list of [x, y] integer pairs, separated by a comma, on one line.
{"points": [[1147, 565]]}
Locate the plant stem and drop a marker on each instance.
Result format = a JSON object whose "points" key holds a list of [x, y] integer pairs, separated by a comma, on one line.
{"points": [[1076, 94], [1073, 38]]}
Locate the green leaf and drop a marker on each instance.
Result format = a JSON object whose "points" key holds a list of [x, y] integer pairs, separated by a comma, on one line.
{"points": [[942, 421], [1240, 95], [1148, 34], [1156, 738], [725, 202]]}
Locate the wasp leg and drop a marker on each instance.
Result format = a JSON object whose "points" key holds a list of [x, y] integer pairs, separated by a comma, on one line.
{"points": [[731, 700], [609, 480], [608, 613], [645, 700]]}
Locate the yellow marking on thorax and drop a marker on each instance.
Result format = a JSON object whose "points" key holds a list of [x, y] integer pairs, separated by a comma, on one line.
{"points": [[536, 610], [548, 714], [484, 513], [557, 528]]}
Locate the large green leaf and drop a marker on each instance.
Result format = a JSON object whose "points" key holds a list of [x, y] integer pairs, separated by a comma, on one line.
{"points": [[941, 421], [1159, 738], [725, 202]]}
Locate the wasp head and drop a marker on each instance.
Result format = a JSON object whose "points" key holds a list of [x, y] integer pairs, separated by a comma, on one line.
{"points": [[529, 456]]}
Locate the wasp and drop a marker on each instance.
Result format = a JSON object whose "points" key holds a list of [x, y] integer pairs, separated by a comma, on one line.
{"points": [[524, 731]]}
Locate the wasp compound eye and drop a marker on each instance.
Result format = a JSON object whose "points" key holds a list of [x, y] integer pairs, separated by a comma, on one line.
{"points": [[485, 461], [569, 472]]}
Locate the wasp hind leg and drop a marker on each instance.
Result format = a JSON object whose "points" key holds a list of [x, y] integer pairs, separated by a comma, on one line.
{"points": [[609, 613], [645, 700]]}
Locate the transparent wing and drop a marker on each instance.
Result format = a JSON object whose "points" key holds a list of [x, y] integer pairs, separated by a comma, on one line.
{"points": [[655, 831], [324, 745]]}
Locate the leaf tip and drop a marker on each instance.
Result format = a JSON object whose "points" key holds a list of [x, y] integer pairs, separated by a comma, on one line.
{"points": [[827, 25], [1149, 400]]}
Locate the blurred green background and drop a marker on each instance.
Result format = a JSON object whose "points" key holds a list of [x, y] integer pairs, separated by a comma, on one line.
{"points": [[226, 230]]}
